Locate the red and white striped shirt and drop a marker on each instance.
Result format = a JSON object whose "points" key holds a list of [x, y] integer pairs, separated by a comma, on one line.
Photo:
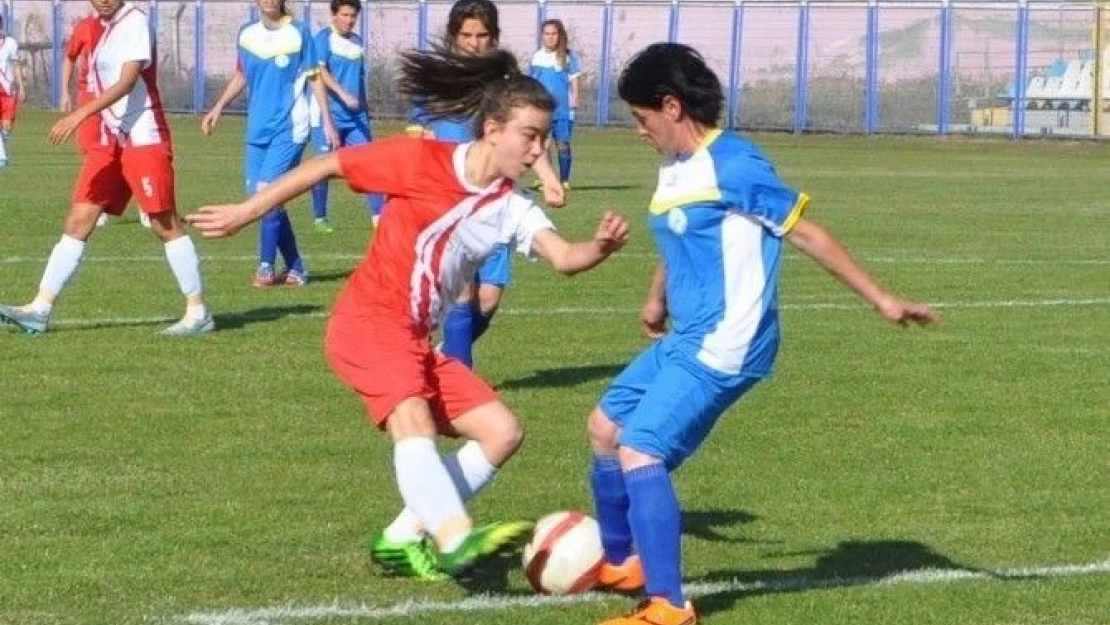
{"points": [[136, 118], [436, 228]]}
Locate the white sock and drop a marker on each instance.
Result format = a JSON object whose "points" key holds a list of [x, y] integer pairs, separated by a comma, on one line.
{"points": [[65, 258], [185, 265], [424, 482], [470, 471], [3, 141]]}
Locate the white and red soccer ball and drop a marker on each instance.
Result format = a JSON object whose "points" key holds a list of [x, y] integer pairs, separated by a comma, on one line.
{"points": [[565, 554]]}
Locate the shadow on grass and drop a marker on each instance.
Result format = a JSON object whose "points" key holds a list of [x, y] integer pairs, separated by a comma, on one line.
{"points": [[562, 376]]}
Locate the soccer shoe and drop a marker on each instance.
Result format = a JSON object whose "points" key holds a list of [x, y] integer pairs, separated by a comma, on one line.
{"points": [[144, 219], [657, 611], [102, 220], [627, 576], [295, 278], [323, 226], [190, 327], [29, 321], [264, 277], [484, 541], [415, 558]]}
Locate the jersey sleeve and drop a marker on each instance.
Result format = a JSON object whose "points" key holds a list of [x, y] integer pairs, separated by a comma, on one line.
{"points": [[574, 67], [77, 40], [386, 166], [309, 58], [524, 220], [135, 30], [323, 47], [752, 188]]}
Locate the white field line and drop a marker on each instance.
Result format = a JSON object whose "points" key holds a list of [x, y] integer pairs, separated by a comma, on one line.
{"points": [[877, 259], [598, 312], [496, 603]]}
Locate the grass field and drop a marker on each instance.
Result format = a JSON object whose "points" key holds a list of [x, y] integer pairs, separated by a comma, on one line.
{"points": [[951, 475]]}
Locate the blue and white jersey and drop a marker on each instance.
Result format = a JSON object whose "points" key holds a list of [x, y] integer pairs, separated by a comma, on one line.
{"points": [[556, 77], [455, 130], [718, 217], [343, 58], [277, 63]]}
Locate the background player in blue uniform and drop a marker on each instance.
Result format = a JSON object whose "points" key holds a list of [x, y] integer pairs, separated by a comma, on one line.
{"points": [[473, 28], [277, 60], [719, 216], [340, 53], [558, 68]]}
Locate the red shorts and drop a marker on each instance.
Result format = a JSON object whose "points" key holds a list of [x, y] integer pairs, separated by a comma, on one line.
{"points": [[9, 104], [387, 364], [112, 174], [87, 136]]}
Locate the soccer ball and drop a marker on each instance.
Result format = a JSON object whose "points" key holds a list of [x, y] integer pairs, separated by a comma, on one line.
{"points": [[564, 555]]}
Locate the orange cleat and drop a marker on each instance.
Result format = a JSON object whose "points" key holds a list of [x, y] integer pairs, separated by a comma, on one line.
{"points": [[627, 576], [657, 611]]}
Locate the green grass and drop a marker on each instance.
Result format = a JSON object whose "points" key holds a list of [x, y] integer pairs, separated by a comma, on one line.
{"points": [[142, 479]]}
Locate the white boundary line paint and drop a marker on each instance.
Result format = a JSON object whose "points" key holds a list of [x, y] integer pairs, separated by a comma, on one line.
{"points": [[585, 311], [496, 603], [878, 259]]}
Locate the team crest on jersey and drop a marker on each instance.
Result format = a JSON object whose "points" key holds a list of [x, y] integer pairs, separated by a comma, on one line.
{"points": [[676, 220], [281, 60]]}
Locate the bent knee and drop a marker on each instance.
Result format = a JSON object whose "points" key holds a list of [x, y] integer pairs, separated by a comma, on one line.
{"points": [[602, 432]]}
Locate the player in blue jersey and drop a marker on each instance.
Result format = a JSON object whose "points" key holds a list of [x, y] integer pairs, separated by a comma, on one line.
{"points": [[339, 51], [277, 61], [719, 217], [473, 28], [557, 68]]}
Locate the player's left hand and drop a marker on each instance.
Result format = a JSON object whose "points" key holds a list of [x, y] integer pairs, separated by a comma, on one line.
{"points": [[904, 312], [332, 136], [64, 128], [349, 101], [554, 194], [219, 221], [612, 232]]}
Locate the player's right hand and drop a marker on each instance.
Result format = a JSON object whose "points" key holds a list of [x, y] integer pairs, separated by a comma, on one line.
{"points": [[218, 221], [653, 318], [208, 122], [66, 104]]}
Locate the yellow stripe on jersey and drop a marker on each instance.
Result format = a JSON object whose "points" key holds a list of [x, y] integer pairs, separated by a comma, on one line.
{"points": [[660, 205], [795, 213], [709, 137]]}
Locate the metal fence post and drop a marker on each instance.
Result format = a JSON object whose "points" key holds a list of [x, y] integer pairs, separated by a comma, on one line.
{"points": [[801, 71], [57, 35], [422, 25], [871, 107], [672, 22], [603, 65], [733, 101], [198, 58], [944, 66], [541, 16], [1021, 55], [306, 13]]}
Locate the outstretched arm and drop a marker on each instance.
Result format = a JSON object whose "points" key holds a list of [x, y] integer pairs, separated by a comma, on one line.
{"points": [[66, 125], [571, 258], [822, 247], [227, 219]]}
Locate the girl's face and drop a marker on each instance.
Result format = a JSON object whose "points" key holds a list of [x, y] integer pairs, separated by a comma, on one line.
{"points": [[106, 8], [550, 37], [344, 20], [473, 37], [658, 128], [518, 142], [271, 9]]}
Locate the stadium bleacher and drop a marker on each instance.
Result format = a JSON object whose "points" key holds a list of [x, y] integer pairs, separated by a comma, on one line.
{"points": [[1062, 86]]}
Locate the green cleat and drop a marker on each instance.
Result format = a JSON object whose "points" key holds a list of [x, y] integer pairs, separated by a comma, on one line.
{"points": [[415, 559], [484, 541]]}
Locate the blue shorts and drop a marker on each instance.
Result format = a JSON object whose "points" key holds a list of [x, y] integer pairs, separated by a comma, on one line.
{"points": [[266, 162], [356, 133], [666, 402], [561, 130], [497, 270]]}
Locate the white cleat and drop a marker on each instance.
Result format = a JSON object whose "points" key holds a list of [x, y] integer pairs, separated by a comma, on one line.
{"points": [[191, 327]]}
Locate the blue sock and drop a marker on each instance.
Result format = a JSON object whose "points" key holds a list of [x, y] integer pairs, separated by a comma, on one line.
{"points": [[611, 508], [320, 200], [656, 521], [481, 324], [458, 332], [564, 164], [269, 230], [287, 242], [374, 204]]}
